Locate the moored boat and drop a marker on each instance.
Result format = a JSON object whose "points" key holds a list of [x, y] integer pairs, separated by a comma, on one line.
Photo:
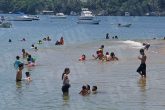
{"points": [[58, 16]]}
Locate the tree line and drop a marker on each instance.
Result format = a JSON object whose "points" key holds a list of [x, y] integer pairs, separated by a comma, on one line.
{"points": [[104, 7]]}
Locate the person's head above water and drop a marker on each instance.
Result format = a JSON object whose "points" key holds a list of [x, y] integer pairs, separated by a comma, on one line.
{"points": [[102, 46], [20, 66], [17, 57], [112, 54], [27, 74]]}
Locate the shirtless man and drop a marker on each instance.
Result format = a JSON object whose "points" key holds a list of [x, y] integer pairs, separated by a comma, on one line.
{"points": [[142, 68], [19, 73]]}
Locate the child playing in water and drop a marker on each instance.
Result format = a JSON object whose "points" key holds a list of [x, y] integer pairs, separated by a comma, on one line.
{"points": [[94, 89], [84, 91], [82, 58], [24, 53], [28, 78], [107, 56], [19, 73], [113, 57], [142, 68]]}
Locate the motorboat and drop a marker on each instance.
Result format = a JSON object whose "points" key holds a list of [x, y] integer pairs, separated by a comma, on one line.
{"points": [[25, 18], [5, 25], [21, 18], [86, 14], [58, 16], [87, 17], [88, 21], [124, 25]]}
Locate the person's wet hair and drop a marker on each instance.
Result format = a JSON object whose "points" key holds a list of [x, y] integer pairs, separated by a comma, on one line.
{"points": [[88, 87], [17, 57], [94, 88], [84, 87], [112, 54], [20, 65], [27, 74]]}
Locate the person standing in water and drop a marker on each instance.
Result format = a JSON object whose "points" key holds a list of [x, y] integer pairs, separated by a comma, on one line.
{"points": [[66, 85], [19, 73], [142, 68]]}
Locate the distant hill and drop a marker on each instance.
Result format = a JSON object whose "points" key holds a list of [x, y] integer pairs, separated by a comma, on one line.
{"points": [[101, 7]]}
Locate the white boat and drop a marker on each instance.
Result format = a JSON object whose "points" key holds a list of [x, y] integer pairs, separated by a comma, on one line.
{"points": [[86, 14], [21, 18], [58, 16], [33, 17], [88, 21], [5, 25]]}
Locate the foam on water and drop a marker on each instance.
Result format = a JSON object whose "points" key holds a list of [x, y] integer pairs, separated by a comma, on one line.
{"points": [[134, 44]]}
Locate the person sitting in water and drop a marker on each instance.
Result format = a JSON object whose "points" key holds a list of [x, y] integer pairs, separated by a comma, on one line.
{"points": [[48, 38], [116, 37], [17, 62], [9, 40], [84, 91], [24, 53], [35, 49], [44, 39], [146, 46], [23, 39], [31, 61], [32, 46], [99, 55], [61, 41], [40, 42], [19, 73], [57, 43], [88, 88], [107, 56], [82, 58], [94, 89], [28, 78], [113, 57]]}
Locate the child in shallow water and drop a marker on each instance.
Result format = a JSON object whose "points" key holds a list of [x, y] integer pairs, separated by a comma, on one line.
{"points": [[84, 91], [28, 78], [94, 89]]}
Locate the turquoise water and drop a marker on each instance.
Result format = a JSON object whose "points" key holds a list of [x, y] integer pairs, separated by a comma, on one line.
{"points": [[119, 86]]}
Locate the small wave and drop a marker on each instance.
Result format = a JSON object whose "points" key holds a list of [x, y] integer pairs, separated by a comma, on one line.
{"points": [[134, 44]]}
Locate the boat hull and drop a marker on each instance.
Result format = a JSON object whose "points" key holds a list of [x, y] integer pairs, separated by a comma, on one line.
{"points": [[88, 21]]}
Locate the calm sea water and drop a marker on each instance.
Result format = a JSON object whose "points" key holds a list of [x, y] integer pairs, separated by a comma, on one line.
{"points": [[119, 86]]}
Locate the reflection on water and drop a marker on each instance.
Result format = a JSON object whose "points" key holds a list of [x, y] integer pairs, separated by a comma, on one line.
{"points": [[19, 84], [142, 84]]}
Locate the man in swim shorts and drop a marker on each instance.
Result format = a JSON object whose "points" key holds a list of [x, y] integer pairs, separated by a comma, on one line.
{"points": [[142, 68]]}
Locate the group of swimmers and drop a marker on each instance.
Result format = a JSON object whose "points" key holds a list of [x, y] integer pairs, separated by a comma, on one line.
{"points": [[86, 90], [107, 57], [19, 65]]}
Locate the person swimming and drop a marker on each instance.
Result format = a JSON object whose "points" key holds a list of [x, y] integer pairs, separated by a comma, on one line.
{"points": [[84, 91], [94, 89], [82, 58], [32, 46], [113, 57]]}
